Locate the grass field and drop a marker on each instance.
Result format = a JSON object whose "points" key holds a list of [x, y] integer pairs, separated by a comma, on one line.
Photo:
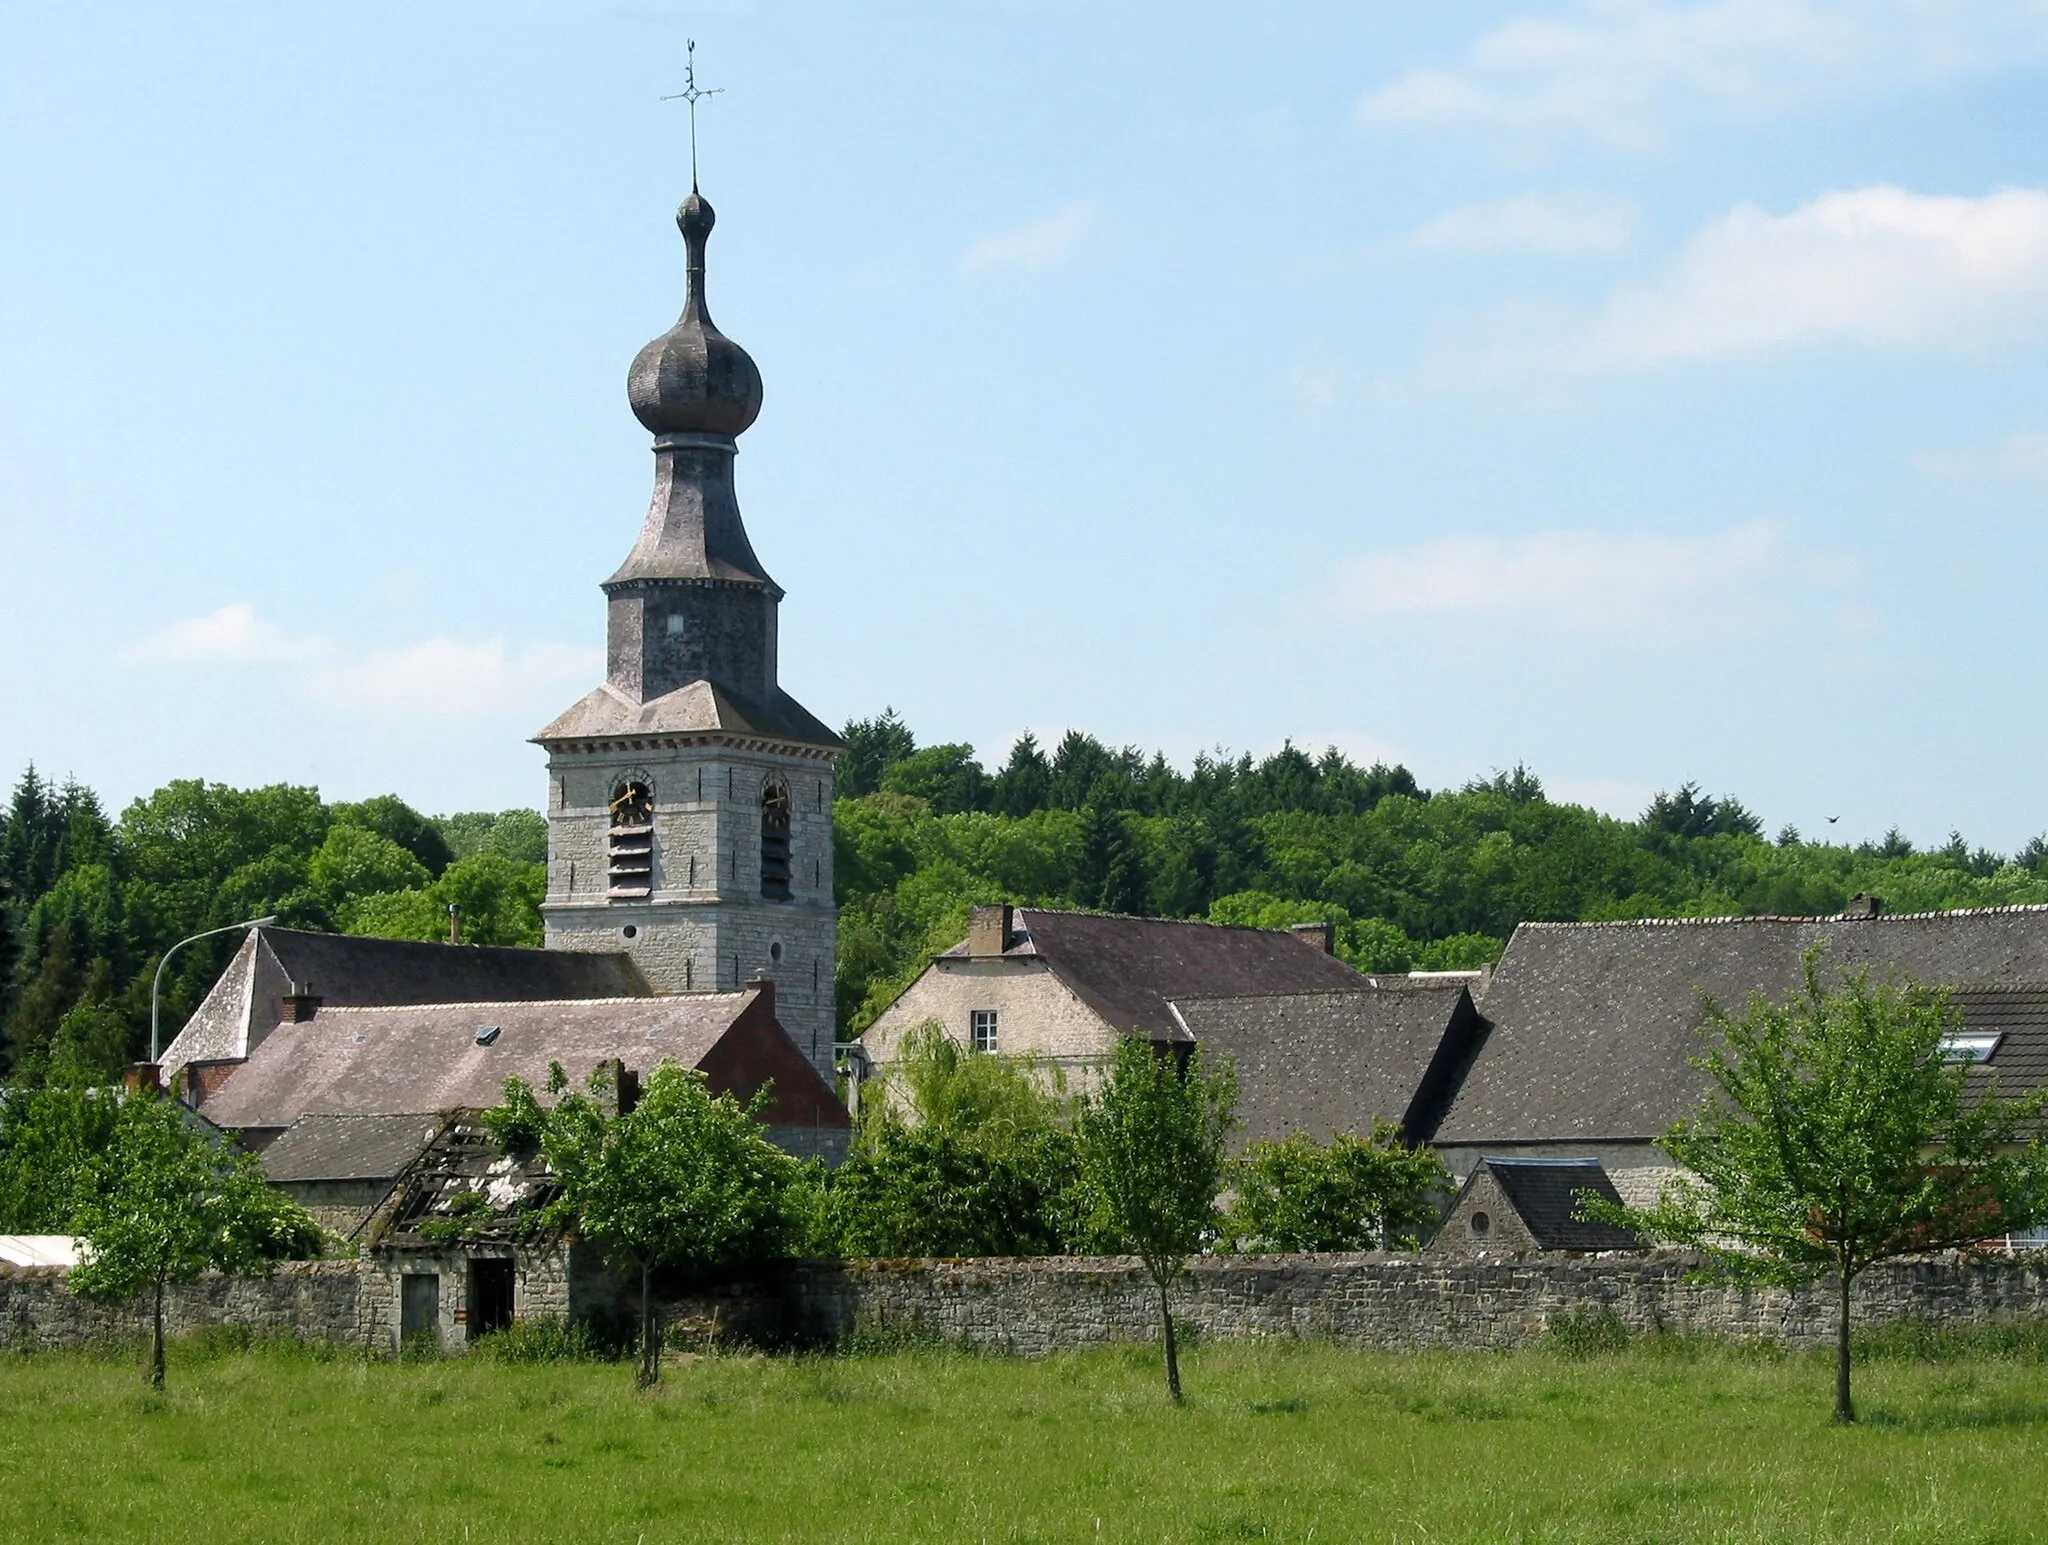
{"points": [[1289, 1442]]}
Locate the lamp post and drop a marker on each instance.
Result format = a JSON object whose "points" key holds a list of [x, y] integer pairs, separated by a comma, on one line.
{"points": [[156, 985]]}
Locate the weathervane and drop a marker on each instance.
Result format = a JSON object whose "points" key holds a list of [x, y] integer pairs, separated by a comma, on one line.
{"points": [[692, 93]]}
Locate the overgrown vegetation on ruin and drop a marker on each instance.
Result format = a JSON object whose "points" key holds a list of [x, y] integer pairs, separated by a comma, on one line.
{"points": [[1596, 1439]]}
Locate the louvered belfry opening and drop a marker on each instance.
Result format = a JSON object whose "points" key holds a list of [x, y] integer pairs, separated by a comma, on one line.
{"points": [[631, 851], [775, 840]]}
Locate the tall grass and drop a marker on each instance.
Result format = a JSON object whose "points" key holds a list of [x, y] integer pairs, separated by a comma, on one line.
{"points": [[1602, 1439]]}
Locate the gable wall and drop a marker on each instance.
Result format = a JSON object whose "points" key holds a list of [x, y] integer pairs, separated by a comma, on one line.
{"points": [[1037, 1014]]}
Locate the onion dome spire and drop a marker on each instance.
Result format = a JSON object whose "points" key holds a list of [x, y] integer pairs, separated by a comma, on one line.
{"points": [[693, 380]]}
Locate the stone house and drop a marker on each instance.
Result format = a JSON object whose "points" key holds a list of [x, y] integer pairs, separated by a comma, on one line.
{"points": [[1318, 1046], [1516, 1206]]}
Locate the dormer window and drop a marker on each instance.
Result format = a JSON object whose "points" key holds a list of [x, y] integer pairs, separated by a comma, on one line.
{"points": [[631, 840], [775, 840]]}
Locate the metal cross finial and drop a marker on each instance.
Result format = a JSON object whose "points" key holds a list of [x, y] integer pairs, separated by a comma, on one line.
{"points": [[692, 93]]}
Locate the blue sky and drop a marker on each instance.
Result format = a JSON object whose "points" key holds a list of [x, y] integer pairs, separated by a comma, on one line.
{"points": [[1645, 392]]}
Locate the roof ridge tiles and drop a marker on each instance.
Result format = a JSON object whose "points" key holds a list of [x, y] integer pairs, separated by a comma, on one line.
{"points": [[1133, 917], [1783, 917], [649, 1001]]}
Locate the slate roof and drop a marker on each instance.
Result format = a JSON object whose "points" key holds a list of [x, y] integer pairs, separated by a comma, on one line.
{"points": [[392, 1061], [1129, 969], [1590, 1025], [1545, 1193], [1329, 1062], [699, 707], [2019, 1017], [324, 1147]]}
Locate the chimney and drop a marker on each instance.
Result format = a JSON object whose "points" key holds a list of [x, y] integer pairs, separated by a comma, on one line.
{"points": [[988, 930], [143, 1078], [764, 984], [454, 923], [1862, 907], [300, 1004], [1322, 936]]}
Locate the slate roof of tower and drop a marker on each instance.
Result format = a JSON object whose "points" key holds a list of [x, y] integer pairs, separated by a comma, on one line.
{"points": [[1128, 969], [1545, 1193], [427, 1057], [1590, 1025], [697, 707], [328, 1147], [1327, 1062]]}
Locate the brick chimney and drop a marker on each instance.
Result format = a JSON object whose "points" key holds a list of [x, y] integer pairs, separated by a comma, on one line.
{"points": [[988, 930], [143, 1077], [1862, 907], [1322, 936], [300, 1004]]}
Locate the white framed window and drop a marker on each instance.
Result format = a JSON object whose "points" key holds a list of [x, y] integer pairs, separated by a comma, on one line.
{"points": [[1970, 1046], [981, 1029]]}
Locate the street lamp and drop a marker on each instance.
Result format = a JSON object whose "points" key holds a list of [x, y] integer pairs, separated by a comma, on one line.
{"points": [[156, 985]]}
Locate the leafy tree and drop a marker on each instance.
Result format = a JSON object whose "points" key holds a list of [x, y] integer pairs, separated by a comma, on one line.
{"points": [[940, 1191], [1689, 813], [945, 777], [1025, 783], [520, 835], [355, 861], [1151, 1155], [1351, 1193], [873, 746], [1838, 1137], [161, 1203], [50, 1136], [499, 901], [685, 1180], [395, 821]]}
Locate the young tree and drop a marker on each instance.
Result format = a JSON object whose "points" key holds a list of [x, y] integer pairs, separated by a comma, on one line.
{"points": [[685, 1179], [162, 1203], [1151, 1152], [1351, 1193], [1839, 1137]]}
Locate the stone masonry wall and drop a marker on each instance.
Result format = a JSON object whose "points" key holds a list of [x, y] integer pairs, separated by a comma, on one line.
{"points": [[1035, 1307]]}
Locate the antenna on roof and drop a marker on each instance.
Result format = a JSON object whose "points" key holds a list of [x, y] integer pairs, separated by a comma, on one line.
{"points": [[692, 93]]}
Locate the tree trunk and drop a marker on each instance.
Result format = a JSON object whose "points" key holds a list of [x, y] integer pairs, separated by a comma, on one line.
{"points": [[1845, 1408], [1172, 1350], [650, 1334], [156, 1336]]}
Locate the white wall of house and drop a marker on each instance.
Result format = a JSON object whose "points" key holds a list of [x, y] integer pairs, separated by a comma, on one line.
{"points": [[1037, 1015]]}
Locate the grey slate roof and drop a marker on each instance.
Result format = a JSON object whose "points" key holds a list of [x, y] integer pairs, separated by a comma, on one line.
{"points": [[1590, 1025], [699, 707], [1128, 969], [1545, 1193], [1329, 1062], [348, 1147], [391, 1061], [2019, 1017]]}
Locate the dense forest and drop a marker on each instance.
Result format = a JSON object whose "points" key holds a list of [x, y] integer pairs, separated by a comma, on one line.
{"points": [[1413, 878]]}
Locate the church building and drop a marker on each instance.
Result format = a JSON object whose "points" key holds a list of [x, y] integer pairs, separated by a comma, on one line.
{"points": [[689, 797]]}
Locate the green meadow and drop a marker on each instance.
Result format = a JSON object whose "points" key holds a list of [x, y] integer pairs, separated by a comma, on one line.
{"points": [[1654, 1441]]}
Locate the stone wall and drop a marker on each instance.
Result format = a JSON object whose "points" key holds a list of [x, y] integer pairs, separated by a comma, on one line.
{"points": [[1391, 1302], [1034, 1307]]}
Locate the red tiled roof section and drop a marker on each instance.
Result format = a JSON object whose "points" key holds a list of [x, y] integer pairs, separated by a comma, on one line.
{"points": [[756, 1051], [1128, 968]]}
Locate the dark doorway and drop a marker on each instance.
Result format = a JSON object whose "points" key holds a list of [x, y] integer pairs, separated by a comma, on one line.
{"points": [[490, 1296], [419, 1305]]}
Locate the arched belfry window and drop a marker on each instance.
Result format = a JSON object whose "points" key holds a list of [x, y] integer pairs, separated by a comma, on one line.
{"points": [[775, 840], [631, 847]]}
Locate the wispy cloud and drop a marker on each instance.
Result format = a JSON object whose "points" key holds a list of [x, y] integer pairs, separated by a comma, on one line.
{"points": [[1039, 244], [441, 678], [1560, 225], [2021, 457], [1622, 72], [1586, 582]]}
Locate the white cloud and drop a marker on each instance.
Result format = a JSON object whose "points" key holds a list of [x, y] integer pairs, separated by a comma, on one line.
{"points": [[1560, 225], [1586, 582], [440, 678], [234, 635], [1619, 71], [1878, 265], [2021, 457], [1040, 244]]}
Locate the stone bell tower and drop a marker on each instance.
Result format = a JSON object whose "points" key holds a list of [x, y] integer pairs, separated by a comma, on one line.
{"points": [[689, 796]]}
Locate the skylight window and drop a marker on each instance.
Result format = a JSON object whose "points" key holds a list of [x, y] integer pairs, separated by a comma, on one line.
{"points": [[1970, 1046], [488, 1034]]}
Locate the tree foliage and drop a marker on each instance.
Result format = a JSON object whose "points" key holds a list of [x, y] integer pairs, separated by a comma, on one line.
{"points": [[684, 1181], [1151, 1155], [1350, 1193], [161, 1202], [1837, 1136]]}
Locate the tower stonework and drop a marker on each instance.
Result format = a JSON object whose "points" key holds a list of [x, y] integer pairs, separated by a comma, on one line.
{"points": [[690, 797]]}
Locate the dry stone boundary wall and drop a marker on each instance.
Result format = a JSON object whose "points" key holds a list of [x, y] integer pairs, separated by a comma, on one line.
{"points": [[1035, 1307]]}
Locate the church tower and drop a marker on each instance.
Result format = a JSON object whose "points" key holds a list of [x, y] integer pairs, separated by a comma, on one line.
{"points": [[689, 796]]}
